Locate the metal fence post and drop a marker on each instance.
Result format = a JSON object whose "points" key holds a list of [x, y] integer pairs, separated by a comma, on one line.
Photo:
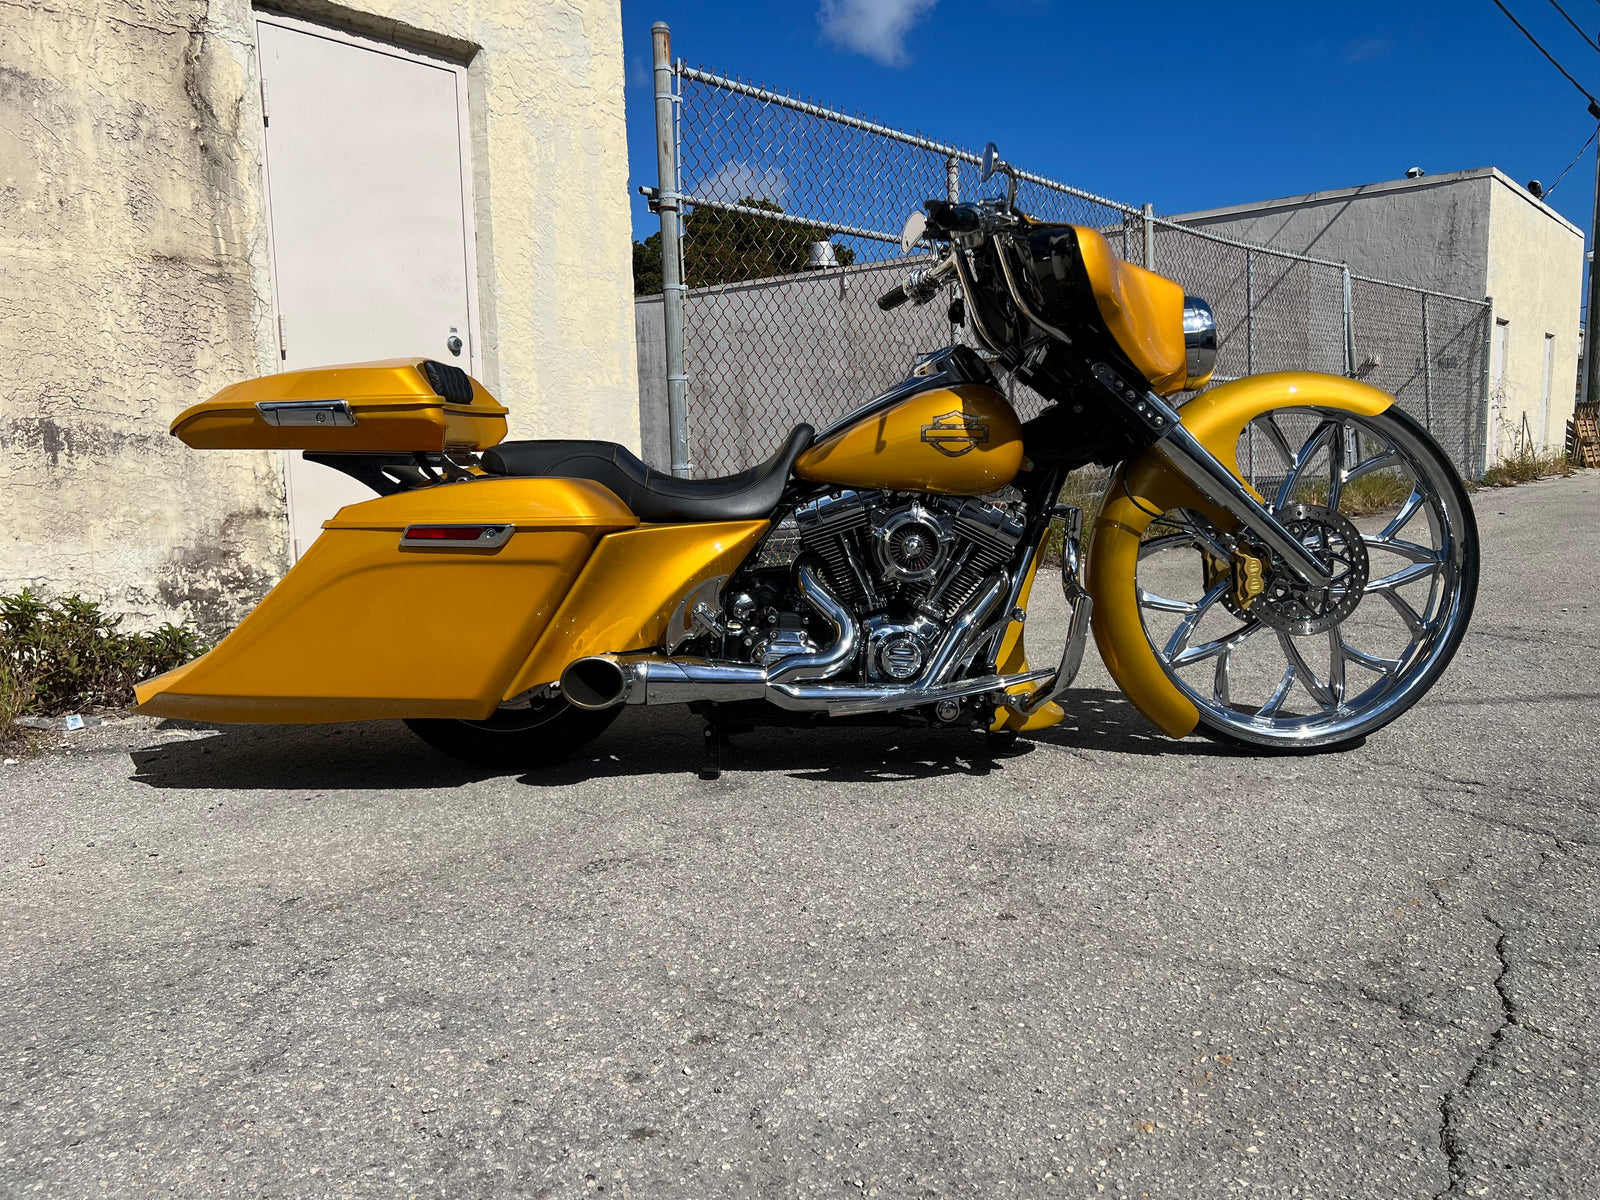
{"points": [[672, 285], [1349, 329], [1427, 371], [952, 179], [1249, 312], [1149, 237]]}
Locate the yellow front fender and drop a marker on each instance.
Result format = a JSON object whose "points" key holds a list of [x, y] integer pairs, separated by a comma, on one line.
{"points": [[1148, 485]]}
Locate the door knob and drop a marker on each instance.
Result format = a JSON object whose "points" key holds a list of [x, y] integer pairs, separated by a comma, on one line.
{"points": [[453, 342]]}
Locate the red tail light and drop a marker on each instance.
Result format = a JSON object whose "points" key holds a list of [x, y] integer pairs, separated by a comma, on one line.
{"points": [[477, 537]]}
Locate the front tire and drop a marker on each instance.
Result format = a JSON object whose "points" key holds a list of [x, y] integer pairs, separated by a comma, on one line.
{"points": [[539, 735], [1296, 670]]}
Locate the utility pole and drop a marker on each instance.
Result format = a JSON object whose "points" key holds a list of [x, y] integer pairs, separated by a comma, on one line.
{"points": [[1591, 360]]}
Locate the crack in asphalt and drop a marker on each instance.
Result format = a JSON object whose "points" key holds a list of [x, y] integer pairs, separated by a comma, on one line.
{"points": [[1450, 1135]]}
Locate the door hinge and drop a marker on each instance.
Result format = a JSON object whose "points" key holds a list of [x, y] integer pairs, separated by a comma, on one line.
{"points": [[283, 341], [266, 111]]}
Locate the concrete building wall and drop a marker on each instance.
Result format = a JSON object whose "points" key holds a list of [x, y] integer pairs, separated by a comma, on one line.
{"points": [[135, 279], [1535, 274], [1469, 233], [1431, 232]]}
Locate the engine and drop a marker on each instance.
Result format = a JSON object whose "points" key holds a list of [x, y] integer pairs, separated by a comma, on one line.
{"points": [[905, 564]]}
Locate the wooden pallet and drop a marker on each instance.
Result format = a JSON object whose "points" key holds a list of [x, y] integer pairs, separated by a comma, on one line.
{"points": [[1583, 435]]}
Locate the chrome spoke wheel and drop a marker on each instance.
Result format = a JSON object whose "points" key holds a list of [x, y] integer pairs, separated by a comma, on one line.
{"points": [[1282, 664]]}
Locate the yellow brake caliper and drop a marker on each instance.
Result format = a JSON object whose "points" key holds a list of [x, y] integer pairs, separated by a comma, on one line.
{"points": [[1249, 579]]}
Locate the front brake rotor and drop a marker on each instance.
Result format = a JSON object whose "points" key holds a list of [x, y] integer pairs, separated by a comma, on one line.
{"points": [[1289, 604]]}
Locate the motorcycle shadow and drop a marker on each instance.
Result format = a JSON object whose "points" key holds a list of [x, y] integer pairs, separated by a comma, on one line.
{"points": [[643, 742], [667, 741]]}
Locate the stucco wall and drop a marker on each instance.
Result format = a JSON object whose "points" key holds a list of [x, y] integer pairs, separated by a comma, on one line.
{"points": [[134, 277], [132, 283], [1536, 279]]}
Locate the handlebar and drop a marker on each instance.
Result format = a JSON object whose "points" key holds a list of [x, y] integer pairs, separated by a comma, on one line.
{"points": [[894, 297], [919, 286]]}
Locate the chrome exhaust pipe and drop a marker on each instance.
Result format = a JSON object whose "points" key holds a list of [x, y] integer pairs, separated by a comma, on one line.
{"points": [[596, 682], [601, 681]]}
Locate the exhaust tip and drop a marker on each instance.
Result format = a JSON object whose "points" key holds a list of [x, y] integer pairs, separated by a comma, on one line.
{"points": [[594, 683]]}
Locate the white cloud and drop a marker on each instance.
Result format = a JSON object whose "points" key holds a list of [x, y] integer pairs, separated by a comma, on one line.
{"points": [[876, 28], [734, 181]]}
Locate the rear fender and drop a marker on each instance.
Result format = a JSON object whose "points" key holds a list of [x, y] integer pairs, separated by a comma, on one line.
{"points": [[1148, 485]]}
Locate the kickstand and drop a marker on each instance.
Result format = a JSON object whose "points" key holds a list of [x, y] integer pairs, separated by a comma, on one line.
{"points": [[716, 739]]}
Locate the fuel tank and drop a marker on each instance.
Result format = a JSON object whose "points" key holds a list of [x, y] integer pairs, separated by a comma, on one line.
{"points": [[960, 441]]}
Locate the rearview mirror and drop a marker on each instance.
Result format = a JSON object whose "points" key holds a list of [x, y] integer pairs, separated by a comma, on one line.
{"points": [[911, 232], [991, 162]]}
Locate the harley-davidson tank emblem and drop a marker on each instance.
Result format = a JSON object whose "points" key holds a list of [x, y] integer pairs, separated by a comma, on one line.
{"points": [[955, 434]]}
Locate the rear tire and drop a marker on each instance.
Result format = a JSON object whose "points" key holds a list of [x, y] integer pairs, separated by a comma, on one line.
{"points": [[540, 735]]}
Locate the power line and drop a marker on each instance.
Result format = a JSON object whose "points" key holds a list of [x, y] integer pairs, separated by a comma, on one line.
{"points": [[1594, 105], [1576, 27], [1574, 161]]}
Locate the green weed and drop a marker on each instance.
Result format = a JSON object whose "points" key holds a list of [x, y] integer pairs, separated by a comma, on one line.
{"points": [[67, 656]]}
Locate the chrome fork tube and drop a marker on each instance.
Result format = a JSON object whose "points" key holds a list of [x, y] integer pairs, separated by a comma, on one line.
{"points": [[1219, 485]]}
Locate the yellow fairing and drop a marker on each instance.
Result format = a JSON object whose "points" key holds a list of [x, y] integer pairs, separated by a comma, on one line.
{"points": [[961, 441], [394, 406], [1143, 310], [1012, 660], [361, 629], [1217, 418], [630, 589]]}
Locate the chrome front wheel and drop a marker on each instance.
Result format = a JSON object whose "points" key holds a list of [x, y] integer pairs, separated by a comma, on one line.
{"points": [[1270, 662]]}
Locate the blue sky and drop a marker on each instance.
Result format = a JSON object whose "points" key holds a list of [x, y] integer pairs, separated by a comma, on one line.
{"points": [[1185, 106]]}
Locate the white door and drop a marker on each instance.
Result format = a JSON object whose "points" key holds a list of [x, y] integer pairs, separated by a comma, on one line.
{"points": [[369, 196]]}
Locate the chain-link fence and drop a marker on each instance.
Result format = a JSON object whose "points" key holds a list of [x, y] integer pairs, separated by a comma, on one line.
{"points": [[788, 220]]}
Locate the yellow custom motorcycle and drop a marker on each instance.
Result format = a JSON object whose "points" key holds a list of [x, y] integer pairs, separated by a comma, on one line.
{"points": [[1286, 562]]}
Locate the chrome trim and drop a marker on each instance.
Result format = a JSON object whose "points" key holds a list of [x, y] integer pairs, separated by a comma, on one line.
{"points": [[911, 514], [698, 612], [845, 700], [328, 413], [1077, 629], [1199, 340], [492, 538]]}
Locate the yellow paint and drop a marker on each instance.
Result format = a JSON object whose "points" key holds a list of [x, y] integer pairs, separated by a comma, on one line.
{"points": [[630, 589], [361, 629], [1143, 310], [960, 441], [1217, 419], [395, 410], [527, 503], [1013, 659]]}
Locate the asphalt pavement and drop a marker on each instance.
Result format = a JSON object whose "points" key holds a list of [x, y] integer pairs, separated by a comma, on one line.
{"points": [[307, 962]]}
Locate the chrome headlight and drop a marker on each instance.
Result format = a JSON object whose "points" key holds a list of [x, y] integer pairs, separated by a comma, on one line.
{"points": [[1199, 341]]}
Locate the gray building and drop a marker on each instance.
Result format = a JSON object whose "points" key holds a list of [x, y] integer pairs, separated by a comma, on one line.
{"points": [[1474, 234]]}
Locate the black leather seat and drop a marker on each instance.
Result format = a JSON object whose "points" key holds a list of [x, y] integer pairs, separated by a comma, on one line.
{"points": [[655, 495]]}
